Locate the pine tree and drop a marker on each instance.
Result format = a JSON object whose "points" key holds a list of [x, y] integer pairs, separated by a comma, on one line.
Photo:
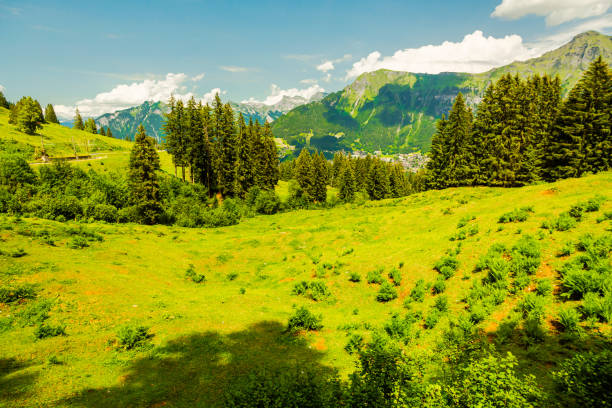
{"points": [[78, 121], [245, 177], [176, 138], [39, 111], [194, 132], [458, 129], [304, 173], [398, 182], [28, 117], [270, 170], [101, 131], [378, 185], [438, 154], [3, 102], [346, 182], [109, 133], [582, 140], [337, 165], [320, 175], [90, 126], [50, 116], [482, 139], [143, 185]]}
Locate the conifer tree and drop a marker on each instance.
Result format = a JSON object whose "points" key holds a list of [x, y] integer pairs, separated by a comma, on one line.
{"points": [[458, 129], [346, 182], [143, 184], [270, 170], [50, 116], [101, 131], [437, 166], [378, 185], [320, 175], [78, 121], [109, 133], [398, 182], [337, 165], [582, 142], [194, 132], [227, 151], [176, 139], [39, 110], [3, 102], [90, 126], [304, 173]]}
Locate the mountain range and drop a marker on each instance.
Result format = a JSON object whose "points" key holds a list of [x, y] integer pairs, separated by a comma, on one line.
{"points": [[388, 111], [123, 123], [395, 112]]}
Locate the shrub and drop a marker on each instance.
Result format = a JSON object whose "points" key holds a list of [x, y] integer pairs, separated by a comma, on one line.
{"points": [[478, 312], [544, 287], [525, 256], [577, 281], [318, 291], [593, 204], [354, 344], [104, 212], [194, 276], [63, 207], [300, 288], [35, 313], [493, 382], [267, 202], [10, 294], [43, 331], [396, 276], [432, 318], [441, 303], [576, 211], [399, 328], [303, 319], [567, 249], [418, 292], [598, 307], [386, 293], [532, 305], [449, 262], [516, 215], [133, 337], [565, 222], [354, 277], [375, 277], [15, 171], [533, 330], [568, 320], [585, 380], [439, 286], [78, 242]]}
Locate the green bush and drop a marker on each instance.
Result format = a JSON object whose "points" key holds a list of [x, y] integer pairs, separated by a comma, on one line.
{"points": [[396, 277], [103, 212], [375, 277], [567, 249], [11, 294], [441, 303], [43, 331], [354, 344], [439, 286], [447, 272], [432, 319], [354, 277], [386, 293], [534, 331], [194, 276], [78, 242], [532, 305], [399, 328], [585, 380], [493, 382], [418, 292], [516, 215], [568, 319], [449, 262], [598, 307], [478, 312], [303, 319], [318, 291], [300, 288], [267, 202], [525, 255], [133, 337], [544, 287]]}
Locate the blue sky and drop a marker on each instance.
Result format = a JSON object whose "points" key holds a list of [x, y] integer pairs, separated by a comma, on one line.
{"points": [[106, 55]]}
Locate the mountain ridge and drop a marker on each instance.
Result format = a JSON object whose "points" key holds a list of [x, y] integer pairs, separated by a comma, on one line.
{"points": [[395, 111]]}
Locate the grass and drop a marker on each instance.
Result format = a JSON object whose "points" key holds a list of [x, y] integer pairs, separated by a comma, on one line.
{"points": [[217, 329]]}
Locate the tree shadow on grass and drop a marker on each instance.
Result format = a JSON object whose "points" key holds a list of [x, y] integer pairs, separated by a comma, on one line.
{"points": [[195, 370], [14, 384]]}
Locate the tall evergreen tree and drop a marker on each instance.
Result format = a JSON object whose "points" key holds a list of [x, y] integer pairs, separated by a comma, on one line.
{"points": [[78, 121], [438, 154], [50, 116], [270, 170], [245, 174], [582, 141], [398, 182], [143, 184], [176, 138], [346, 182], [101, 131], [227, 151], [194, 133], [320, 176], [3, 102], [90, 126], [458, 129], [304, 173], [378, 185], [109, 133]]}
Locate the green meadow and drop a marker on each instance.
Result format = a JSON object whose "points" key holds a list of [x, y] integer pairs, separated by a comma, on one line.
{"points": [[217, 301]]}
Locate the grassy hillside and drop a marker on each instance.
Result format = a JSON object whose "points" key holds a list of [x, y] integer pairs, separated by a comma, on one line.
{"points": [[396, 111], [109, 154], [207, 333]]}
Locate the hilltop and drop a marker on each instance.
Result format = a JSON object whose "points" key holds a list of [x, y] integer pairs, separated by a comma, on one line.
{"points": [[207, 334], [396, 111]]}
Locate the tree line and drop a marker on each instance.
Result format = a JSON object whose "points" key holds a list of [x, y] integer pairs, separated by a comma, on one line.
{"points": [[89, 125], [27, 114], [523, 132], [371, 176], [222, 152]]}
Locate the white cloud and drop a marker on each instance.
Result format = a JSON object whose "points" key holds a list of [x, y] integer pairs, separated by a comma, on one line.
{"points": [[209, 97], [475, 53], [277, 94], [555, 11], [326, 66], [232, 68], [327, 77], [2, 89], [198, 77], [128, 95], [308, 81]]}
